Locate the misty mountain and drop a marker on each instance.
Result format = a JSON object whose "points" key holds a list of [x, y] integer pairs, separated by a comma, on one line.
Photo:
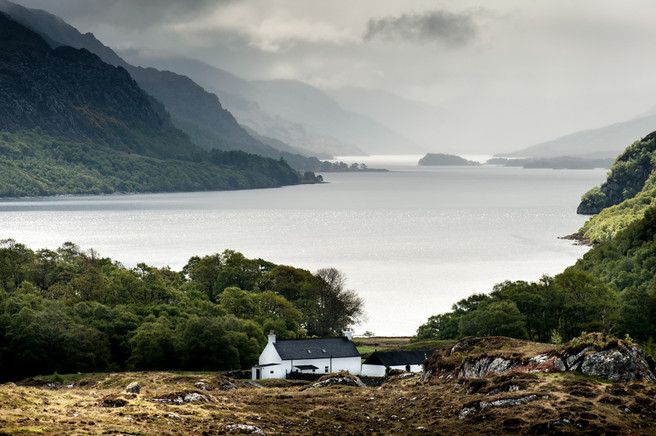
{"points": [[194, 110], [606, 141], [70, 123], [304, 112], [426, 125]]}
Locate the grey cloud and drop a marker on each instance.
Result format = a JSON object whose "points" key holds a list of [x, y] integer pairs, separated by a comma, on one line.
{"points": [[126, 13], [442, 26]]}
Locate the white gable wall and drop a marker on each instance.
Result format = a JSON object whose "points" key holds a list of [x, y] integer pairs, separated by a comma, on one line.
{"points": [[269, 355]]}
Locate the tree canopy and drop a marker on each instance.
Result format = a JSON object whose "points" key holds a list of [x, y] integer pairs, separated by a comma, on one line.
{"points": [[69, 310]]}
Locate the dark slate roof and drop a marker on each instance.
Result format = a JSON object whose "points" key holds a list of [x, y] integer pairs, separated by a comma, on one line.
{"points": [[396, 358], [315, 348]]}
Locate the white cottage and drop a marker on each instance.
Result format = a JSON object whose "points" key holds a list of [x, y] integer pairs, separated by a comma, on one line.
{"points": [[314, 355], [411, 361]]}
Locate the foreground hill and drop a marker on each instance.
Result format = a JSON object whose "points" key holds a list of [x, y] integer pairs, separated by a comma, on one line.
{"points": [[544, 401], [73, 124]]}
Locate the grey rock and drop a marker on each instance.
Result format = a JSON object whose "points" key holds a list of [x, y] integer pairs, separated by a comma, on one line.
{"points": [[244, 429], [574, 361], [626, 362], [133, 388], [254, 384], [195, 396], [505, 402], [559, 364], [338, 380], [473, 368]]}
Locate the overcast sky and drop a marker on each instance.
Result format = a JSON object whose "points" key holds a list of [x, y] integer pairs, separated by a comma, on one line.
{"points": [[524, 70]]}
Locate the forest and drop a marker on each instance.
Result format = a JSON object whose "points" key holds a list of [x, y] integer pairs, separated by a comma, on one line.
{"points": [[612, 289], [69, 310], [33, 163]]}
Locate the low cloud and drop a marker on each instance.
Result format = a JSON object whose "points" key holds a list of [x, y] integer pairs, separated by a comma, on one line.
{"points": [[447, 27], [126, 13]]}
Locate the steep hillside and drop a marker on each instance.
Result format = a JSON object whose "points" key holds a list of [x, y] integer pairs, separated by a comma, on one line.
{"points": [[628, 192], [78, 110], [73, 94], [301, 110], [194, 111]]}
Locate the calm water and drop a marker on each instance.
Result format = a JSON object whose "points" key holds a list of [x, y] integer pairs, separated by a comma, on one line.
{"points": [[411, 242]]}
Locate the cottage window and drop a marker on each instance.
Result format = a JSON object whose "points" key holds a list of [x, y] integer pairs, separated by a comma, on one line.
{"points": [[326, 369]]}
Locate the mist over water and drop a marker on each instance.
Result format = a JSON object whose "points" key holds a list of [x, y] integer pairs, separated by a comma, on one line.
{"points": [[411, 242]]}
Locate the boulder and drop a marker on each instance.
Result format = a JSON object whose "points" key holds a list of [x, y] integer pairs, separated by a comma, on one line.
{"points": [[133, 388], [337, 379], [243, 429]]}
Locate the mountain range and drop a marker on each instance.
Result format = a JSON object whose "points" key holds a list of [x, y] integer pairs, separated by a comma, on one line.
{"points": [[295, 121], [603, 142], [71, 123], [290, 110], [193, 110]]}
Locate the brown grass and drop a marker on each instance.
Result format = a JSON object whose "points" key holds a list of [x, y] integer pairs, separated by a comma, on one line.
{"points": [[564, 403]]}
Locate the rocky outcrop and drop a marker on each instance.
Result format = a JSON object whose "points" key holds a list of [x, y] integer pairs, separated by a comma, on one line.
{"points": [[594, 354], [622, 363], [504, 402], [479, 367]]}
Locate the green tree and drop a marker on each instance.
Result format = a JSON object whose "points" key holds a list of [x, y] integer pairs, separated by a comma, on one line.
{"points": [[154, 346], [587, 303], [205, 345], [337, 308], [494, 318]]}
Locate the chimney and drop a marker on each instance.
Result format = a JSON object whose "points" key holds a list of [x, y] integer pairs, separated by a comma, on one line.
{"points": [[349, 335], [272, 337]]}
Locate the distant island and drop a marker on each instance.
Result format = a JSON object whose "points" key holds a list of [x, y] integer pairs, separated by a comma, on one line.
{"points": [[441, 159], [328, 166], [556, 163]]}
